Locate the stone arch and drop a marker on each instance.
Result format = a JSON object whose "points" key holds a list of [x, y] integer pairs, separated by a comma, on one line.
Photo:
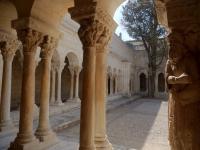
{"points": [[8, 12], [65, 78], [73, 59], [161, 82], [143, 82], [16, 84]]}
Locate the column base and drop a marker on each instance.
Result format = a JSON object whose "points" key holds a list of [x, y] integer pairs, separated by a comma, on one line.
{"points": [[35, 144], [103, 144], [48, 141], [7, 131], [59, 103], [87, 148], [127, 95], [75, 100]]}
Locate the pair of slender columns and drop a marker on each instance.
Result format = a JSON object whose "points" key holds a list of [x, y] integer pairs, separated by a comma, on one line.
{"points": [[8, 50], [56, 69], [74, 70], [93, 104], [25, 138]]}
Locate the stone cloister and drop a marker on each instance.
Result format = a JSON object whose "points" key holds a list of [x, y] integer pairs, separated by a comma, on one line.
{"points": [[48, 59]]}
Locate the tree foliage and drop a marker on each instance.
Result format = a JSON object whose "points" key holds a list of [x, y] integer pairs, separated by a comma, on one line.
{"points": [[140, 21]]}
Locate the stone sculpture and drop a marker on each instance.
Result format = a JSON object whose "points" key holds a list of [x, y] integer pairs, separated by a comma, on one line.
{"points": [[183, 83]]}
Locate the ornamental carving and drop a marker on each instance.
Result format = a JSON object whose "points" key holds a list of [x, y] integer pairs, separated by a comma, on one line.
{"points": [[183, 83], [30, 39], [8, 46], [183, 12], [90, 31], [57, 67], [48, 46], [93, 11], [77, 70], [103, 41]]}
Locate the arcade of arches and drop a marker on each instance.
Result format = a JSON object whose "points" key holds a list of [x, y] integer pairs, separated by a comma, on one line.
{"points": [[47, 58]]}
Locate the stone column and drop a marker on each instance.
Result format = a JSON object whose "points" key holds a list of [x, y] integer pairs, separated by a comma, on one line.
{"points": [[44, 132], [31, 40], [8, 47], [37, 60], [101, 141], [116, 85], [58, 101], [53, 73], [91, 28], [71, 68], [77, 70]]}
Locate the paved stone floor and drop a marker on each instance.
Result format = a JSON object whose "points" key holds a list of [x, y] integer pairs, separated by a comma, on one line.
{"points": [[140, 125]]}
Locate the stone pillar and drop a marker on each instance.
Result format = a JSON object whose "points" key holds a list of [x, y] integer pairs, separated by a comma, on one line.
{"points": [[25, 138], [77, 72], [37, 60], [53, 73], [91, 28], [101, 141], [8, 47], [71, 68], [44, 132], [116, 85], [58, 101]]}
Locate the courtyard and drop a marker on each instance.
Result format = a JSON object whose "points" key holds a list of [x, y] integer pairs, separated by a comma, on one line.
{"points": [[132, 124], [140, 125]]}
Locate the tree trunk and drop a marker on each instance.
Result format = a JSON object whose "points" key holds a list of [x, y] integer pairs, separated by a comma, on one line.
{"points": [[151, 84]]}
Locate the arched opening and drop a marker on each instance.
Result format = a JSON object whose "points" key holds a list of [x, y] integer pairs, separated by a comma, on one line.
{"points": [[142, 82], [65, 82], [130, 85], [16, 83], [108, 85], [161, 83]]}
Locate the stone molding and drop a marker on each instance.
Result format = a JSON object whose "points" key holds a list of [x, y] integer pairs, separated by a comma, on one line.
{"points": [[8, 45], [95, 25], [32, 23], [176, 14], [92, 11], [77, 70], [103, 41], [30, 39], [57, 68], [48, 46]]}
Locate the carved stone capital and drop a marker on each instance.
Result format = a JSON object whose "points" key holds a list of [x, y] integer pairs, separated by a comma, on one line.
{"points": [[94, 11], [92, 19], [90, 31], [8, 45], [58, 67], [48, 46], [103, 41], [71, 69], [30, 39], [77, 70]]}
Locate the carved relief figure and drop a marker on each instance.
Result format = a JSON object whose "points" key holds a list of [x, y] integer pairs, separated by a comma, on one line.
{"points": [[183, 82]]}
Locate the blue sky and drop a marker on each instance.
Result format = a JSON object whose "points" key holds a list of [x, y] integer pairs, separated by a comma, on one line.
{"points": [[117, 17]]}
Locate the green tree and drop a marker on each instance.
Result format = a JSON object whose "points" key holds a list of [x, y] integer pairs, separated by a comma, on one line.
{"points": [[140, 21]]}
